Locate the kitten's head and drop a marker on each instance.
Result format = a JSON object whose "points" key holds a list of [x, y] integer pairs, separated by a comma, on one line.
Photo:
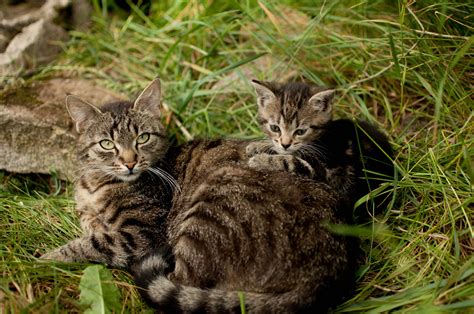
{"points": [[120, 139], [292, 114]]}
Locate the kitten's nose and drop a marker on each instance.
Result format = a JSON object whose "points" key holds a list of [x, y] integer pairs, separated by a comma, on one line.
{"points": [[130, 165], [285, 146]]}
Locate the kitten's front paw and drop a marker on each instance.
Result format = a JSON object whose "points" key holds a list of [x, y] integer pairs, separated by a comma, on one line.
{"points": [[259, 147], [271, 162], [252, 149]]}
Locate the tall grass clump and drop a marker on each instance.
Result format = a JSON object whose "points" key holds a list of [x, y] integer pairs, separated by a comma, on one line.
{"points": [[404, 65]]}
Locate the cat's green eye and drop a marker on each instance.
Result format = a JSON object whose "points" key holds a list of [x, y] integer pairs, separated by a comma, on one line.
{"points": [[107, 144], [143, 138], [300, 132], [274, 128]]}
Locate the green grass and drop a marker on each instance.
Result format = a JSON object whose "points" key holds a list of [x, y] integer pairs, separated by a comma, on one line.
{"points": [[403, 65]]}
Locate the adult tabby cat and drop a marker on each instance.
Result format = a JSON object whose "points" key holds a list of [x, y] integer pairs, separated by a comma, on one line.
{"points": [[353, 157], [123, 194], [231, 228]]}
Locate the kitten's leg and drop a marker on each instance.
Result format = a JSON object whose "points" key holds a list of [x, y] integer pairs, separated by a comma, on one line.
{"points": [[259, 147], [288, 163], [112, 248]]}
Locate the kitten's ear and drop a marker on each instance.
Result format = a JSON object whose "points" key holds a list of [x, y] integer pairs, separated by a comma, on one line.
{"points": [[150, 98], [81, 112], [264, 94], [322, 101]]}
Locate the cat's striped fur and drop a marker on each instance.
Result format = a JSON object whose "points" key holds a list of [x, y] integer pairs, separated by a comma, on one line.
{"points": [[234, 228], [231, 228], [353, 157], [122, 194]]}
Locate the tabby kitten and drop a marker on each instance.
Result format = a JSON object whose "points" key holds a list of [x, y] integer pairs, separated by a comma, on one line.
{"points": [[234, 228], [353, 157], [123, 193]]}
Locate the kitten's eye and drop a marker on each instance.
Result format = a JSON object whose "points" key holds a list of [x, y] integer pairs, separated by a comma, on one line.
{"points": [[274, 128], [300, 132], [107, 144], [143, 138]]}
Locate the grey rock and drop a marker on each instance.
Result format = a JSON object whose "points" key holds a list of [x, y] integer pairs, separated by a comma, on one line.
{"points": [[36, 132], [33, 46], [17, 17], [30, 32], [3, 42]]}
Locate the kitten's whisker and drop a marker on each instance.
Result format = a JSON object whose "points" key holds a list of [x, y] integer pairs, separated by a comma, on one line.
{"points": [[268, 150], [316, 148], [309, 150], [320, 147], [314, 154], [266, 147]]}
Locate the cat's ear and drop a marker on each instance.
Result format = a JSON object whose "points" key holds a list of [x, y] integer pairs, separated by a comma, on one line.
{"points": [[81, 112], [322, 101], [264, 94], [150, 98]]}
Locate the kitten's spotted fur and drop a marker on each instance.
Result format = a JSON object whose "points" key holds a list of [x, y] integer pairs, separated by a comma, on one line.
{"points": [[122, 193], [353, 157]]}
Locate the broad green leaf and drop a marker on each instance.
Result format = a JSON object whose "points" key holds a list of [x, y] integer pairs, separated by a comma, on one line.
{"points": [[99, 294]]}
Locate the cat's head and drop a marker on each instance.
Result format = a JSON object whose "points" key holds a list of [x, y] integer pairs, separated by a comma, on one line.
{"points": [[292, 114], [120, 139]]}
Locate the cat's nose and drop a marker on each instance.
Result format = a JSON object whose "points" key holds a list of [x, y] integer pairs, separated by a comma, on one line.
{"points": [[285, 146], [130, 165]]}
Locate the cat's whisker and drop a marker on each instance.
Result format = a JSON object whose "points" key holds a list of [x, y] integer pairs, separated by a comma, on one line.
{"points": [[162, 179], [169, 183], [166, 176], [155, 178], [171, 180]]}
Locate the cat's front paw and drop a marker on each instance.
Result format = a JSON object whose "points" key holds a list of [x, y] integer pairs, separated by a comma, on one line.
{"points": [[57, 255], [271, 162]]}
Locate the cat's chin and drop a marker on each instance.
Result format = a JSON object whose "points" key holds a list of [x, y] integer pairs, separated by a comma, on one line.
{"points": [[128, 177]]}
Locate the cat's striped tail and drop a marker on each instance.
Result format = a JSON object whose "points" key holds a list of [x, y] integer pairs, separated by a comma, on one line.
{"points": [[168, 297]]}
